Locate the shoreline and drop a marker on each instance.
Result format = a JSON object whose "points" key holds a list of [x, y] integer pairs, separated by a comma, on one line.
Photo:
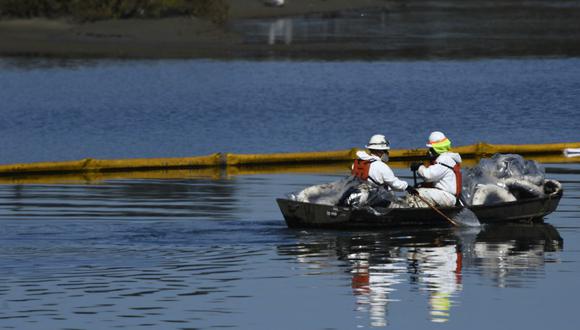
{"points": [[450, 29], [174, 37]]}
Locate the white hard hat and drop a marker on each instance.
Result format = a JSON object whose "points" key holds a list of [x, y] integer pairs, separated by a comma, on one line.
{"points": [[435, 137], [378, 142]]}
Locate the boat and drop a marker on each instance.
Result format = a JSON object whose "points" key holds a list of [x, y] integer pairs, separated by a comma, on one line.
{"points": [[308, 215]]}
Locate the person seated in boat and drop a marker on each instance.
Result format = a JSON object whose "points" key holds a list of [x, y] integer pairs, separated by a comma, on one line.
{"points": [[372, 166], [442, 177]]}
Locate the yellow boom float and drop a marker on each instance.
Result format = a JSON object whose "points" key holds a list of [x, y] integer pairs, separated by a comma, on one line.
{"points": [[542, 152]]}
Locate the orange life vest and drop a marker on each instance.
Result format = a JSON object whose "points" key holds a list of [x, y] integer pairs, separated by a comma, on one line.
{"points": [[360, 168], [458, 178]]}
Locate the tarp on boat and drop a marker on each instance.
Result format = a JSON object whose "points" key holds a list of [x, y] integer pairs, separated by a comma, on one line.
{"points": [[505, 178], [348, 191], [501, 178]]}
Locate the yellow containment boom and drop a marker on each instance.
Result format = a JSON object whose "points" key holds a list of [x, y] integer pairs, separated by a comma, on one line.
{"points": [[96, 165], [218, 160]]}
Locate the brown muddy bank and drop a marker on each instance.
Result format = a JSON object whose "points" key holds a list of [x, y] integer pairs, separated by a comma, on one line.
{"points": [[317, 29]]}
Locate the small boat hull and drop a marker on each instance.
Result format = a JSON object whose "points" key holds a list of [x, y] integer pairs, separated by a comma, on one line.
{"points": [[307, 215]]}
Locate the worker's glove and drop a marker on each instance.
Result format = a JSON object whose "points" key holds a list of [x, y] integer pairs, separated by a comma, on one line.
{"points": [[415, 166], [412, 191]]}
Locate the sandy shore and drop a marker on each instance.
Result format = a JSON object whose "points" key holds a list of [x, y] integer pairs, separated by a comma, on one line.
{"points": [[170, 37], [422, 28]]}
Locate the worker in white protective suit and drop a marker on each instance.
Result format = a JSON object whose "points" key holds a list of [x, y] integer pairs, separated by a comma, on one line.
{"points": [[372, 166], [443, 176]]}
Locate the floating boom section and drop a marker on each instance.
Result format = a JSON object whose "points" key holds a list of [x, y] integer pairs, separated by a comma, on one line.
{"points": [[96, 165], [291, 158], [218, 160]]}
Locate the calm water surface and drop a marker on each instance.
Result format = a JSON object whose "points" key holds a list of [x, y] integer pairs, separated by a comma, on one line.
{"points": [[62, 110], [190, 252], [201, 253]]}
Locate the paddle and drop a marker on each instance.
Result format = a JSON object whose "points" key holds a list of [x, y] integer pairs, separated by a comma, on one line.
{"points": [[467, 218], [464, 218]]}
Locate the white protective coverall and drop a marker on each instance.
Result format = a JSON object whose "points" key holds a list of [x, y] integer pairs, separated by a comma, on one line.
{"points": [[443, 179], [381, 173]]}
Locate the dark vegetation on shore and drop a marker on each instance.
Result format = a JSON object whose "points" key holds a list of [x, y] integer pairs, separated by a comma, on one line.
{"points": [[94, 10]]}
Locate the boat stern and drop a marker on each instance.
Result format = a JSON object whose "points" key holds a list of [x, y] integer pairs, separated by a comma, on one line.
{"points": [[300, 215]]}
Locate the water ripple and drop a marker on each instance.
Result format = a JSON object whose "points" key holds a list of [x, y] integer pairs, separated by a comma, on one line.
{"points": [[136, 270]]}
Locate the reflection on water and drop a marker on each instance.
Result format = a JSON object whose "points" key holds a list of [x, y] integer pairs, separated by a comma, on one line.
{"points": [[433, 262], [450, 28], [336, 27], [438, 270], [280, 29], [202, 252], [156, 281], [346, 26]]}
